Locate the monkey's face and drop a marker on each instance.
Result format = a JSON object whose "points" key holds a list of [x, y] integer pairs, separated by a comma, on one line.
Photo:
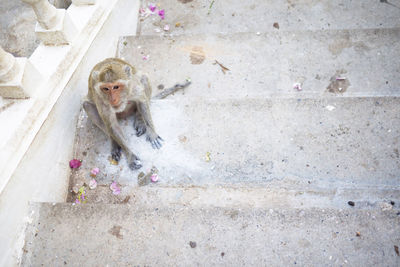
{"points": [[114, 92]]}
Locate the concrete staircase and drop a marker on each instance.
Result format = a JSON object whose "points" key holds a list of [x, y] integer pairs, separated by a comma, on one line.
{"points": [[253, 172]]}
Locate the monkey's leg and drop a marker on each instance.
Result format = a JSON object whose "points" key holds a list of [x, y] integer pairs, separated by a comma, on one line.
{"points": [[152, 136], [115, 151], [115, 132]]}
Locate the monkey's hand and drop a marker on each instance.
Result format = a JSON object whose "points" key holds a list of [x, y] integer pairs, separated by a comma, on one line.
{"points": [[155, 141]]}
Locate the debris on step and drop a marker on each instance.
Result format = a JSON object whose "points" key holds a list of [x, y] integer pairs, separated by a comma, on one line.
{"points": [[223, 68], [75, 163], [208, 158], [81, 196], [276, 25], [297, 86], [330, 108], [351, 203], [93, 184], [116, 190], [192, 244], [94, 172], [151, 176]]}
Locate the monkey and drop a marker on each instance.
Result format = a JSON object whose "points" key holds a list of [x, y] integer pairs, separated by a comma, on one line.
{"points": [[115, 91]]}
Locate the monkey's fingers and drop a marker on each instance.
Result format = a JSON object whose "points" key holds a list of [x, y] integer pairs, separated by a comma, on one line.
{"points": [[156, 143]]}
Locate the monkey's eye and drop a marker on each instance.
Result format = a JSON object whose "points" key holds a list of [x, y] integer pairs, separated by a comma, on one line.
{"points": [[116, 87], [104, 89]]}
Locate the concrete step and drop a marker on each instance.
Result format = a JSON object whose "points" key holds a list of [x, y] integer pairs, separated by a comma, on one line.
{"points": [[232, 16], [334, 142], [269, 64], [176, 235]]}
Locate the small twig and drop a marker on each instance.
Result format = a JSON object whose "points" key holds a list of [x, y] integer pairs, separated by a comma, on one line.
{"points": [[223, 68], [209, 8], [172, 90]]}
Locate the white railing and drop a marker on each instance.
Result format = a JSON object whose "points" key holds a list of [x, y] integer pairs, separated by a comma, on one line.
{"points": [[66, 35], [19, 78]]}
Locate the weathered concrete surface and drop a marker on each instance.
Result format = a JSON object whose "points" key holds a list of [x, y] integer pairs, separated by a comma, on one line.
{"points": [[43, 173], [231, 16], [261, 141], [270, 63], [17, 28], [136, 235]]}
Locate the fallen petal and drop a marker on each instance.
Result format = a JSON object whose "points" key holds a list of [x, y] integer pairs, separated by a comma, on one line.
{"points": [[161, 13], [92, 184], [166, 28], [152, 7], [330, 108], [75, 163], [297, 86], [154, 177], [94, 171], [115, 188]]}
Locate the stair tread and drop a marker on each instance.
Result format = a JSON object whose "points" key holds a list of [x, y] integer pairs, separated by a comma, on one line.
{"points": [[259, 16], [269, 64], [336, 141], [133, 235]]}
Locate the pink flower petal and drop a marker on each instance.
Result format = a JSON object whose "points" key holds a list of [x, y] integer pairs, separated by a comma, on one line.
{"points": [[161, 13], [154, 177], [297, 86], [152, 7], [115, 188], [75, 163], [166, 28], [94, 171]]}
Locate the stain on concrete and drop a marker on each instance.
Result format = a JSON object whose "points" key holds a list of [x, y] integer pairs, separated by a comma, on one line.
{"points": [[233, 214], [396, 152], [338, 83], [197, 55], [337, 47], [116, 231], [185, 1]]}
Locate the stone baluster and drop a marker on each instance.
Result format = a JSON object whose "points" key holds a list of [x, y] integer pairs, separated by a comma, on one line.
{"points": [[54, 26], [18, 77], [83, 2], [8, 68]]}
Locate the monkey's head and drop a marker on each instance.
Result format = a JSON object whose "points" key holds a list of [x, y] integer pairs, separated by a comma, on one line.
{"points": [[113, 83]]}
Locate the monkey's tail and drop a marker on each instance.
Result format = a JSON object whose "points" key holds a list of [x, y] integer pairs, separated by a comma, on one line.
{"points": [[172, 90]]}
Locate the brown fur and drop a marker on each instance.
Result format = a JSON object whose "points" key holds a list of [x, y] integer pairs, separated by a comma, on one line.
{"points": [[132, 97]]}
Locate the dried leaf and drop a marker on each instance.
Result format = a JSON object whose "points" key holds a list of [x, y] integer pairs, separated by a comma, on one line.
{"points": [[396, 248]]}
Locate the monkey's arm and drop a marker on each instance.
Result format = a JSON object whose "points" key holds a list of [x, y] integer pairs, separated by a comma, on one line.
{"points": [[152, 136]]}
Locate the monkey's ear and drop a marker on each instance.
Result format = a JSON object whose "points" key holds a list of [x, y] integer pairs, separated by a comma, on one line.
{"points": [[95, 75], [128, 71]]}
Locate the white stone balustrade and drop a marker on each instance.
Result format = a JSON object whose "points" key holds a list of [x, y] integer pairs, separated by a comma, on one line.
{"points": [[83, 2], [54, 26], [18, 77]]}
